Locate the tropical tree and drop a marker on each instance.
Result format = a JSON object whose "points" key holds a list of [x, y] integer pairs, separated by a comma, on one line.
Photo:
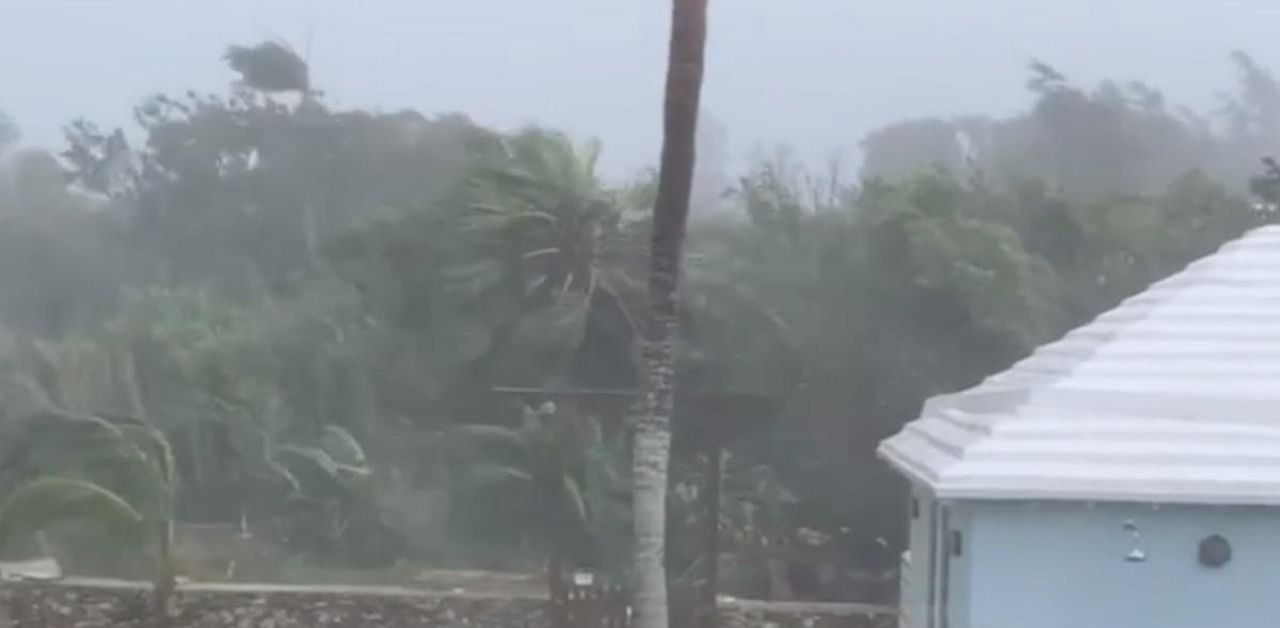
{"points": [[82, 253], [751, 510], [1266, 186], [115, 472], [653, 429], [1090, 144], [244, 188], [555, 260], [329, 506], [555, 469], [259, 398], [288, 267]]}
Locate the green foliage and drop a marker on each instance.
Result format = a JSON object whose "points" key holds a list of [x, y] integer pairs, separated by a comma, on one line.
{"points": [[1266, 186], [1091, 144], [557, 471], [244, 189], [912, 289], [549, 232], [306, 308], [116, 475], [82, 254], [40, 503], [330, 508], [753, 506]]}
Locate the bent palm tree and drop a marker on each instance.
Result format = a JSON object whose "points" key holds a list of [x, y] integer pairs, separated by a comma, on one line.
{"points": [[51, 462], [330, 497], [35, 505], [558, 467], [670, 215], [549, 233]]}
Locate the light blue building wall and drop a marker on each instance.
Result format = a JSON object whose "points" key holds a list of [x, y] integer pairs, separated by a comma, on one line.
{"points": [[1063, 565]]}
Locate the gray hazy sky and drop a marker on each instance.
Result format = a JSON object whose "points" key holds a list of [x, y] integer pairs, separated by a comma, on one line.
{"points": [[817, 74]]}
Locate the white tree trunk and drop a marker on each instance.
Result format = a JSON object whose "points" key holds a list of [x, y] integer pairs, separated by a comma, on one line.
{"points": [[651, 452], [670, 214]]}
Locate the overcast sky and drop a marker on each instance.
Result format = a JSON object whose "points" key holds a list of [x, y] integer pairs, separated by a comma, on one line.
{"points": [[817, 74]]}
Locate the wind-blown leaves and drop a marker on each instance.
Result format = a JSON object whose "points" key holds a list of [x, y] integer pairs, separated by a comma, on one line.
{"points": [[45, 501], [344, 447], [331, 504], [308, 267], [484, 477], [574, 496], [319, 472], [473, 434], [546, 227], [552, 469]]}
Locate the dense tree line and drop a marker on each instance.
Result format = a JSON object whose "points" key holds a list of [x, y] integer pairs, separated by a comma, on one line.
{"points": [[314, 305]]}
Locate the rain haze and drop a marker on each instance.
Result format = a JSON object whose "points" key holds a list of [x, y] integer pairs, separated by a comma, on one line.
{"points": [[661, 313], [815, 74]]}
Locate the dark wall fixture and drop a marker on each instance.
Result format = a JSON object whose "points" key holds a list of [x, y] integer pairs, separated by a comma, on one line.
{"points": [[1215, 551]]}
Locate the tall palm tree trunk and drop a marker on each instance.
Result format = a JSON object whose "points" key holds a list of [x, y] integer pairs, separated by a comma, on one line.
{"points": [[670, 214]]}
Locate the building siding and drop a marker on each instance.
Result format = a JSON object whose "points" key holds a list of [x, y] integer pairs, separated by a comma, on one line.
{"points": [[1062, 565]]}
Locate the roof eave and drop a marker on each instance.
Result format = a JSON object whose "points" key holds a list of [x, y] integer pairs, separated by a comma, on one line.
{"points": [[904, 465], [1196, 498]]}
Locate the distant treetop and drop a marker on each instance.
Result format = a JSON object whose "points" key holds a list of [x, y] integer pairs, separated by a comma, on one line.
{"points": [[269, 67]]}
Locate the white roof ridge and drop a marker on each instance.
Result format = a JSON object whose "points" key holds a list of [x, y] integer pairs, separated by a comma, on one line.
{"points": [[1174, 395], [1129, 312]]}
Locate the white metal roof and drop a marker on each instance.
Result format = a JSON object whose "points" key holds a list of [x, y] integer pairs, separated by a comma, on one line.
{"points": [[1174, 396]]}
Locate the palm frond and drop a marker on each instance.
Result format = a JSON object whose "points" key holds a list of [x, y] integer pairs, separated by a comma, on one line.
{"points": [[486, 477], [542, 252], [758, 483], [490, 209], [314, 457], [152, 444], [513, 183], [476, 434], [285, 475], [54, 438], [473, 279], [587, 156], [573, 497], [343, 446], [22, 395], [628, 294], [554, 329], [45, 501], [319, 471]]}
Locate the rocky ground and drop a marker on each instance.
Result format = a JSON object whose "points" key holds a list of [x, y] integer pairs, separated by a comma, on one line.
{"points": [[102, 604]]}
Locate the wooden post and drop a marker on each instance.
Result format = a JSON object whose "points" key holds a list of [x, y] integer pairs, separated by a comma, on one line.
{"points": [[711, 539], [558, 591]]}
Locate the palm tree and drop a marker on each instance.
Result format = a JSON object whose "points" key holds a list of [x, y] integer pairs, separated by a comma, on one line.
{"points": [[329, 499], [73, 449], [552, 241], [653, 431], [52, 463], [557, 470]]}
